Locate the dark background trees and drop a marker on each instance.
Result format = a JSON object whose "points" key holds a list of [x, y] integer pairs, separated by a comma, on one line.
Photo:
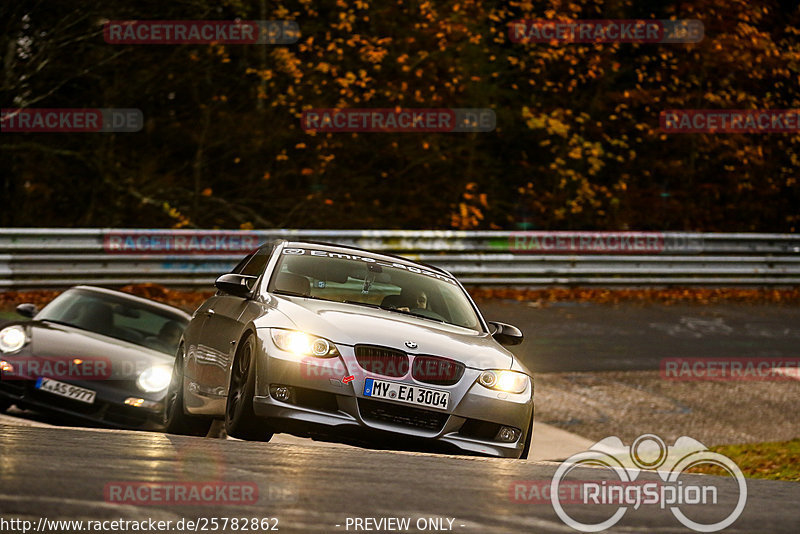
{"points": [[577, 144]]}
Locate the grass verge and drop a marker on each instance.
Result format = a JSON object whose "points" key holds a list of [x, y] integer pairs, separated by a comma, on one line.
{"points": [[779, 460]]}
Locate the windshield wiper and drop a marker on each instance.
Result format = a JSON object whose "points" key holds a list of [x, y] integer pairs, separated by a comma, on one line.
{"points": [[359, 303], [391, 309], [413, 314]]}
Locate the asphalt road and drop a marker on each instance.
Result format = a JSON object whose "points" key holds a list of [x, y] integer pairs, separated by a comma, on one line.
{"points": [[64, 473], [571, 336], [67, 473]]}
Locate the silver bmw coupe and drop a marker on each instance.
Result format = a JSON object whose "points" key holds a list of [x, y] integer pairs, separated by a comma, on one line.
{"points": [[338, 343]]}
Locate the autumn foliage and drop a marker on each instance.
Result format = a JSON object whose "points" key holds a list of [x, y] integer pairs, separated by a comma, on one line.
{"points": [[191, 300], [577, 143]]}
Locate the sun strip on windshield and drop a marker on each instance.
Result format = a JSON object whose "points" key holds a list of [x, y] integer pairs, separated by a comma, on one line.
{"points": [[372, 261]]}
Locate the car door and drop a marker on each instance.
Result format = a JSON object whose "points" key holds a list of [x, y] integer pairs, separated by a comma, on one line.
{"points": [[225, 321]]}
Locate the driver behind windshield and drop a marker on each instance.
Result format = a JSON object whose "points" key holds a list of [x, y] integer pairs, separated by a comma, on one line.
{"points": [[418, 302]]}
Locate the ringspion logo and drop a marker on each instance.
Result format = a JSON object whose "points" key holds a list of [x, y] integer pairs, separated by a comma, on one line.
{"points": [[649, 452], [576, 491]]}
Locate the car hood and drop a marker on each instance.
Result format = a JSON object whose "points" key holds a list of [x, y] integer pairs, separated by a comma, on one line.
{"points": [[55, 341], [351, 324]]}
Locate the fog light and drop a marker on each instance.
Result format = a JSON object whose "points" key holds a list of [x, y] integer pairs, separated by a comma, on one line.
{"points": [[137, 402], [507, 434], [6, 367], [281, 393]]}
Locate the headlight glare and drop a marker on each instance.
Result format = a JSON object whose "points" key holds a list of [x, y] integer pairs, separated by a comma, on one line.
{"points": [[12, 338], [303, 344], [508, 381], [154, 378]]}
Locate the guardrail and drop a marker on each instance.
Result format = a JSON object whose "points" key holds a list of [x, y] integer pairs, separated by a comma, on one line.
{"points": [[52, 258]]}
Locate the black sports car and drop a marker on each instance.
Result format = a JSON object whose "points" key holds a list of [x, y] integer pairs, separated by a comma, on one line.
{"points": [[93, 354]]}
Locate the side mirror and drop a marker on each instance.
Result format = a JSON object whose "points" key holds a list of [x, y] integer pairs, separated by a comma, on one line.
{"points": [[27, 310], [506, 334], [238, 285]]}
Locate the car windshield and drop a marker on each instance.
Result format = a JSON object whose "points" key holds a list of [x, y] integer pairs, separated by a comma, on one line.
{"points": [[373, 281], [116, 317]]}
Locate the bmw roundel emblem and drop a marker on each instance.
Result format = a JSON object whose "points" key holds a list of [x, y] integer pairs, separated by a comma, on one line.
{"points": [[411, 345]]}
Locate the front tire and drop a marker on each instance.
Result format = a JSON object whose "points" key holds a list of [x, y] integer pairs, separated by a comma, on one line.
{"points": [[5, 405], [240, 418], [176, 420]]}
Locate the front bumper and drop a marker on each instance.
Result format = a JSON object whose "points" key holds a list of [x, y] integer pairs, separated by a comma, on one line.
{"points": [[322, 404], [108, 409]]}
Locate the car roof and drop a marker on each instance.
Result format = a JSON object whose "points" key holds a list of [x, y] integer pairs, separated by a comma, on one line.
{"points": [[334, 247], [142, 300]]}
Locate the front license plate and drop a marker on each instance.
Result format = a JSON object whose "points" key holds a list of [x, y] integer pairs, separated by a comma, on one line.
{"points": [[65, 390], [382, 389]]}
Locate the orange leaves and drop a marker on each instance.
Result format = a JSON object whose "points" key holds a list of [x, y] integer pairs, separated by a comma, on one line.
{"points": [[469, 214], [671, 296], [348, 79]]}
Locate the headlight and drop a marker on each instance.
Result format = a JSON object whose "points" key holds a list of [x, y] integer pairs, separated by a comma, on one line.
{"points": [[508, 381], [154, 378], [303, 344], [12, 338]]}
